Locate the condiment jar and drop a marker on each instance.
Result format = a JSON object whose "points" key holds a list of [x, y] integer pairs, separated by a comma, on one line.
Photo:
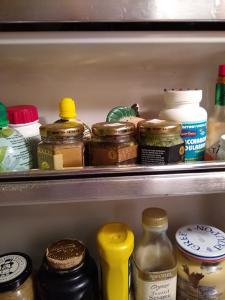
{"points": [[201, 263], [221, 152], [160, 142], [61, 147], [68, 273], [113, 144], [16, 281]]}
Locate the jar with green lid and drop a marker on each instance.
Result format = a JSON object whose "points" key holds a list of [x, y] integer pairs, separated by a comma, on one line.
{"points": [[160, 142], [61, 147], [113, 144]]}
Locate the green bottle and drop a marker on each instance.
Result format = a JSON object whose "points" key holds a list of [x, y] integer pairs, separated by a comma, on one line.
{"points": [[14, 152]]}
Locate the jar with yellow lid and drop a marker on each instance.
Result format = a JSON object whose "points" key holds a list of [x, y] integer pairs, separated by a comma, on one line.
{"points": [[201, 263], [113, 144], [160, 142], [61, 147]]}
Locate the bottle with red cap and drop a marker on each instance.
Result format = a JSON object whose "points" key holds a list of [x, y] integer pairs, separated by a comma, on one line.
{"points": [[24, 118], [216, 123]]}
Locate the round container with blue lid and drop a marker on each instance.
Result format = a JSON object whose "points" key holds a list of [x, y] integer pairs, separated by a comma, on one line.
{"points": [[201, 262], [16, 281]]}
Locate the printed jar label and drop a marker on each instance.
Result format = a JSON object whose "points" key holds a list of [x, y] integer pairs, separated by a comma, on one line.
{"points": [[194, 135], [161, 155], [14, 152], [191, 289], [11, 266], [112, 155], [155, 285]]}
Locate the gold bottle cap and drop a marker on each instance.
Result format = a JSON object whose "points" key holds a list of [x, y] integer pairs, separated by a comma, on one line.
{"points": [[67, 129], [65, 254], [154, 217], [156, 126], [110, 129]]}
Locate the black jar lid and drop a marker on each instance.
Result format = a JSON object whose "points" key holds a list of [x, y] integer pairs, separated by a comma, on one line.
{"points": [[15, 268]]}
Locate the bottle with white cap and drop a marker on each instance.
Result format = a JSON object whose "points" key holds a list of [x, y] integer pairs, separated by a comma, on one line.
{"points": [[221, 152], [184, 106]]}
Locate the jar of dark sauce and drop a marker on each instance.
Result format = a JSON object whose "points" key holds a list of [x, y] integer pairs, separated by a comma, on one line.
{"points": [[68, 272]]}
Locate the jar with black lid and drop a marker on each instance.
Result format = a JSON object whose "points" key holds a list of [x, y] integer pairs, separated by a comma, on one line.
{"points": [[68, 272], [16, 282], [113, 144], [160, 142]]}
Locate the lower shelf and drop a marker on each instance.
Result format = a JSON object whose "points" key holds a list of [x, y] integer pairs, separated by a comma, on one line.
{"points": [[115, 183]]}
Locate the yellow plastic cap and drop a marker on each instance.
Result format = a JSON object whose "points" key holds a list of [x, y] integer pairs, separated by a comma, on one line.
{"points": [[67, 109]]}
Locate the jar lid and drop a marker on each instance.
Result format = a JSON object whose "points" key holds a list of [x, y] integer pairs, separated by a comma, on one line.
{"points": [[221, 70], [67, 109], [22, 114], [65, 254], [154, 217], [182, 96], [202, 242], [3, 116], [156, 126], [15, 268], [110, 129], [65, 129]]}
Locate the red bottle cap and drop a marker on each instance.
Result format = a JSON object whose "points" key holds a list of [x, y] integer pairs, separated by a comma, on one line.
{"points": [[221, 70], [22, 114]]}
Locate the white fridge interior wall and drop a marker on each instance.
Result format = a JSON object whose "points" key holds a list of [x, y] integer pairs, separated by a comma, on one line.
{"points": [[102, 70], [31, 228]]}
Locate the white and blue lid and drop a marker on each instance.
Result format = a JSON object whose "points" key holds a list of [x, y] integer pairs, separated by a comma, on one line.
{"points": [[203, 242]]}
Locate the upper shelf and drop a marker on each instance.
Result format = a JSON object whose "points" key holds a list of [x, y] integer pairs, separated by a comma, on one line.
{"points": [[116, 183]]}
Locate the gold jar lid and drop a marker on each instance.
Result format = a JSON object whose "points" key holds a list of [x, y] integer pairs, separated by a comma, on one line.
{"points": [[66, 129], [156, 126], [154, 217], [110, 129], [65, 254]]}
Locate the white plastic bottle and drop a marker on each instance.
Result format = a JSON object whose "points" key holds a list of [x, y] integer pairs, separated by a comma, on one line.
{"points": [[24, 118], [184, 107]]}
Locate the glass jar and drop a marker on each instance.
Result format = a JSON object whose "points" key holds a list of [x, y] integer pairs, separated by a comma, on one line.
{"points": [[160, 142], [61, 147], [68, 272], [113, 144], [221, 152], [201, 263], [16, 281]]}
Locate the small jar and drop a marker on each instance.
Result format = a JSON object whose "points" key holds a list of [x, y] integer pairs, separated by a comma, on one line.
{"points": [[160, 142], [201, 263], [68, 272], [113, 144], [61, 147], [221, 152], [16, 281]]}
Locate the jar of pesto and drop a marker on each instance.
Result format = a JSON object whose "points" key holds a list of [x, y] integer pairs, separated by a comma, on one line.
{"points": [[113, 144], [160, 142]]}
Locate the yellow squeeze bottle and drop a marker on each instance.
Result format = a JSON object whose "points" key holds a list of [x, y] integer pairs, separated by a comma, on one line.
{"points": [[115, 245]]}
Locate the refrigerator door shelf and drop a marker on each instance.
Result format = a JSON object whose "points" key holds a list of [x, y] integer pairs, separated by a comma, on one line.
{"points": [[113, 183]]}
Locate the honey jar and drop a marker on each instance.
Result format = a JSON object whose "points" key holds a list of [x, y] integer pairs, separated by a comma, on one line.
{"points": [[201, 263]]}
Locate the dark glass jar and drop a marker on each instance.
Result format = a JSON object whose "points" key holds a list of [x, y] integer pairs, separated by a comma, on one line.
{"points": [[16, 281], [68, 272], [113, 144]]}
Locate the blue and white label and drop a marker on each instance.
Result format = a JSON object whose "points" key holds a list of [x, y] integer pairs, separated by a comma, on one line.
{"points": [[202, 241], [194, 135]]}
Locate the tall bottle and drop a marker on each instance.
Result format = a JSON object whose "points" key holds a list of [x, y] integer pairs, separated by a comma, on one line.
{"points": [[216, 123], [154, 262], [115, 246]]}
